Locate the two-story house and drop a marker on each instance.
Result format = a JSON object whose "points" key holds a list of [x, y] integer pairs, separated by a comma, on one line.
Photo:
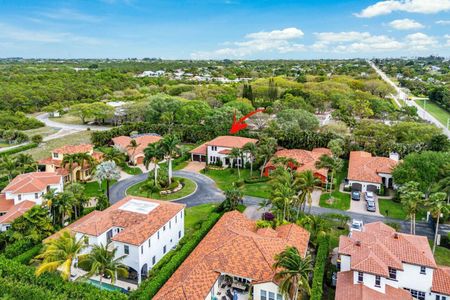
{"points": [[25, 191], [142, 229], [233, 261], [380, 263], [218, 150], [136, 155], [74, 172]]}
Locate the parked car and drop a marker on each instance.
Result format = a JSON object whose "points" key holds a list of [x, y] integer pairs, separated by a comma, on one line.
{"points": [[371, 206], [356, 195], [357, 225], [370, 196]]}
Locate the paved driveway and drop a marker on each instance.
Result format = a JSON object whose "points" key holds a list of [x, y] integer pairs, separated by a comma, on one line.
{"points": [[360, 207], [195, 166]]}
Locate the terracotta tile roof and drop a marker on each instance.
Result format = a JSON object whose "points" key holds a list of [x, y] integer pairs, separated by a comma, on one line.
{"points": [[33, 182], [231, 141], [379, 247], [347, 290], [92, 215], [225, 151], [72, 149], [143, 141], [306, 159], [137, 227], [233, 246], [441, 280], [365, 167], [5, 204], [200, 149], [16, 211]]}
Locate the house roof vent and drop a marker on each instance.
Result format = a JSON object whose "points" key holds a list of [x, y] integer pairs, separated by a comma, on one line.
{"points": [[358, 243], [396, 236]]}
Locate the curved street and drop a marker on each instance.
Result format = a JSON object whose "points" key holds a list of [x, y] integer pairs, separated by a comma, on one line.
{"points": [[44, 118]]}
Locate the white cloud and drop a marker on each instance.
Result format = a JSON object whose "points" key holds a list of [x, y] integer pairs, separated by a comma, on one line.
{"points": [[405, 24], [411, 6], [67, 14], [420, 41], [281, 41], [443, 22]]}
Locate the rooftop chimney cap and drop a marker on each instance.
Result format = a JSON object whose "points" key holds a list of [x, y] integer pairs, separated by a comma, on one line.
{"points": [[358, 243], [396, 235]]}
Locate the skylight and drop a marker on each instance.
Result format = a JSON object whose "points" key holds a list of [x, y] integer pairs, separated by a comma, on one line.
{"points": [[139, 206]]}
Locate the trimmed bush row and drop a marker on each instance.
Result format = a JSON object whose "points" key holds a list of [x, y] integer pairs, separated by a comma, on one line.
{"points": [[13, 271], [17, 248], [19, 149], [19, 290], [27, 256], [256, 179], [169, 264], [319, 268]]}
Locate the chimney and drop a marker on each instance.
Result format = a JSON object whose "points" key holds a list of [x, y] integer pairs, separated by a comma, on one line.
{"points": [[358, 243], [394, 156], [396, 236]]}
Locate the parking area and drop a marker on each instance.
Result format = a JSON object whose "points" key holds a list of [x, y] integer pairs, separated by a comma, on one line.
{"points": [[360, 206]]}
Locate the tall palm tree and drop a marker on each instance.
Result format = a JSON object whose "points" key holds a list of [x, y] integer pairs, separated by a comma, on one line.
{"points": [[283, 193], [84, 159], [293, 272], [170, 149], [60, 253], [316, 225], [25, 162], [79, 198], [265, 149], [232, 199], [288, 163], [236, 154], [112, 154], [438, 206], [250, 149], [8, 164], [168, 118], [102, 262], [306, 181], [69, 161], [106, 171], [152, 154], [411, 198], [334, 164], [133, 146]]}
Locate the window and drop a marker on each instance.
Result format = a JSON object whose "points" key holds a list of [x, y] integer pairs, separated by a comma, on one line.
{"points": [[271, 296], [149, 242], [377, 281], [279, 297], [142, 249], [441, 297], [176, 217], [360, 276], [170, 224], [154, 260], [19, 197], [181, 214], [126, 249], [36, 195], [179, 234], [158, 235], [263, 295], [214, 148], [392, 273], [164, 250], [55, 155], [423, 270], [164, 228], [417, 294]]}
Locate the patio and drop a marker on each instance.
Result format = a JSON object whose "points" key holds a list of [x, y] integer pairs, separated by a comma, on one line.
{"points": [[232, 288], [125, 285]]}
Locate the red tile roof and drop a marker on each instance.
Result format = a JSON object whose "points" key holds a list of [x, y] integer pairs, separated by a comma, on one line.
{"points": [[137, 227], [5, 204], [379, 247], [70, 227], [72, 149], [200, 149], [365, 167], [231, 141], [16, 211], [143, 141], [441, 280], [306, 159], [347, 290], [32, 182], [233, 246]]}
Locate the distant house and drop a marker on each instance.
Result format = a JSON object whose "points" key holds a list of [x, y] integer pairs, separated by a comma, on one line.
{"points": [[143, 231], [368, 173], [25, 191], [219, 149], [380, 263], [136, 156], [234, 255], [306, 161], [78, 172]]}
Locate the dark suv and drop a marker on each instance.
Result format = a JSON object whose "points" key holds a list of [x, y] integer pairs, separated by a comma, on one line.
{"points": [[356, 195]]}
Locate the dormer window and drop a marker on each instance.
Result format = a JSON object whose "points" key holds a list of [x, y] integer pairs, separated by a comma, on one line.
{"points": [[55, 155], [360, 276], [392, 274], [377, 281], [423, 270]]}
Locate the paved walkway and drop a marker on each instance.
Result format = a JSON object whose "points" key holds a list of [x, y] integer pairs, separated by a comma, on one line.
{"points": [[195, 166]]}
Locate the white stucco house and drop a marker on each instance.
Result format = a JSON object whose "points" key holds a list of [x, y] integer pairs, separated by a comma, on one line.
{"points": [[25, 191], [380, 263], [368, 173], [142, 229], [234, 260], [219, 149]]}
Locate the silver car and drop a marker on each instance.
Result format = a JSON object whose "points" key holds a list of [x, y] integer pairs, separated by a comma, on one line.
{"points": [[370, 196], [371, 206]]}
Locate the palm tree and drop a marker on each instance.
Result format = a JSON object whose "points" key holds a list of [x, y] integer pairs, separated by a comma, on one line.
{"points": [[112, 154], [232, 199], [79, 198], [236, 154], [102, 262], [133, 146], [60, 205], [288, 163], [168, 118], [411, 198], [68, 161], [84, 158], [250, 149], [316, 225], [438, 206], [265, 149], [25, 162], [306, 181], [293, 272], [334, 164], [170, 149], [9, 165], [106, 171], [152, 154], [60, 253]]}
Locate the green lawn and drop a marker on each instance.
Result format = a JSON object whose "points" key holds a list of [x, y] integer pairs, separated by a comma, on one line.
{"points": [[226, 178], [130, 170], [341, 200], [189, 187], [69, 119], [442, 255], [196, 215], [44, 131], [92, 188], [395, 210], [439, 113]]}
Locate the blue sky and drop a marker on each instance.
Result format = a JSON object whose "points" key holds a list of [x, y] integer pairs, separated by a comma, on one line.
{"points": [[235, 29]]}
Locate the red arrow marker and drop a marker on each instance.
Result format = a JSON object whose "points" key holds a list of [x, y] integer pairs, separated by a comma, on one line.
{"points": [[240, 124]]}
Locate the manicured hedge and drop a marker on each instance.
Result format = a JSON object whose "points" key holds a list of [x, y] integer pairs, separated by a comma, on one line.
{"points": [[256, 179], [19, 149], [27, 256], [11, 289], [17, 248], [319, 268], [168, 265], [14, 271]]}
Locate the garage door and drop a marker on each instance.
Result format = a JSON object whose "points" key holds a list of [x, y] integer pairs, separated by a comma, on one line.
{"points": [[356, 186], [372, 188]]}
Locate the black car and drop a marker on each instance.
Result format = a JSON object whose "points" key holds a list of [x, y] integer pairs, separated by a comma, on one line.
{"points": [[356, 195]]}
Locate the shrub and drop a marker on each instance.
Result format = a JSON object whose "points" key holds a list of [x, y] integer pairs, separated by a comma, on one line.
{"points": [[256, 179], [264, 224], [37, 138], [319, 268], [19, 149], [268, 216], [27, 256], [17, 248], [167, 266], [239, 183], [19, 290]]}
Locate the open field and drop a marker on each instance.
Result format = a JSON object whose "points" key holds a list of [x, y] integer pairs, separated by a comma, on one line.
{"points": [[68, 119], [440, 114], [44, 131]]}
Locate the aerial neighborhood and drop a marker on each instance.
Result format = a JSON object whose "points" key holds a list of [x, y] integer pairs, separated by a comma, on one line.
{"points": [[225, 150]]}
